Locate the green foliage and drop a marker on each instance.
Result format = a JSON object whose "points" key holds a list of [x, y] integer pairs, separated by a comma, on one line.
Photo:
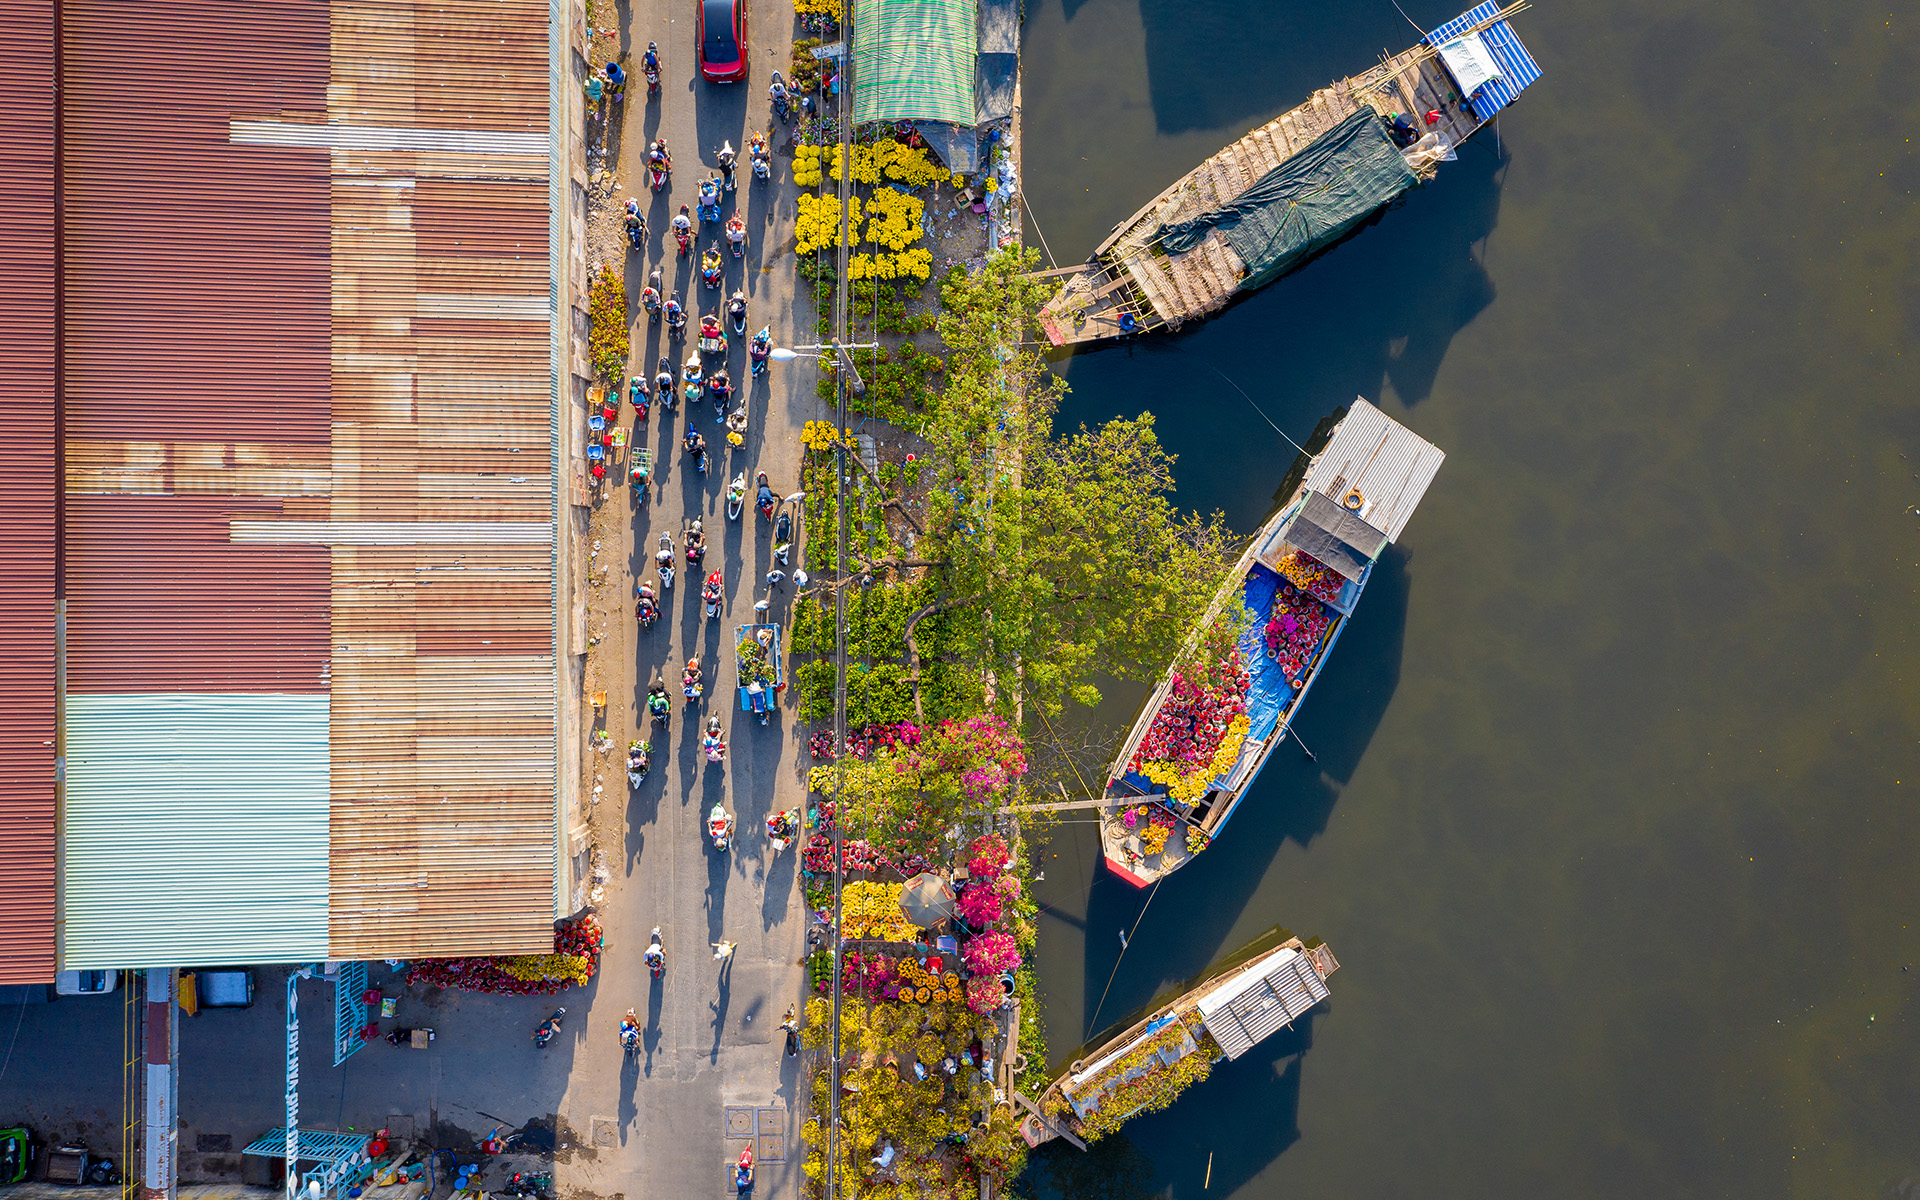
{"points": [[948, 691], [815, 682], [1064, 557], [608, 327]]}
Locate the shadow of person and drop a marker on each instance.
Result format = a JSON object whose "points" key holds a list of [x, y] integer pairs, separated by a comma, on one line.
{"points": [[720, 1004]]}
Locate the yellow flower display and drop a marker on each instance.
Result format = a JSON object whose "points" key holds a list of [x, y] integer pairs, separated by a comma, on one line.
{"points": [[911, 165], [806, 165], [916, 263], [820, 436], [817, 221], [893, 219], [816, 8], [1193, 784], [872, 910]]}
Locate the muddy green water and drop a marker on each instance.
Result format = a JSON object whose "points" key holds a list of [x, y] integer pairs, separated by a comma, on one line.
{"points": [[1613, 825]]}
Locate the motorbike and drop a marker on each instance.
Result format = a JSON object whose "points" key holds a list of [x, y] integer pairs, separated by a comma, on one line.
{"points": [[743, 1172], [719, 387], [683, 231], [713, 745], [765, 500], [697, 448], [650, 297], [720, 828], [639, 760], [690, 681], [737, 427], [638, 397], [543, 1033], [712, 594], [712, 270], [656, 954], [736, 235], [737, 312], [760, 350], [659, 165], [762, 162], [691, 374], [713, 338], [639, 474], [630, 1035], [676, 318], [636, 225], [736, 496], [791, 1024], [663, 386], [783, 527], [657, 703], [695, 543], [652, 65], [782, 101], [646, 606], [725, 157], [709, 199], [782, 827], [663, 558]]}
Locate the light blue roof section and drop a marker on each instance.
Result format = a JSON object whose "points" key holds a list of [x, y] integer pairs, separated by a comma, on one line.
{"points": [[195, 830], [1517, 68]]}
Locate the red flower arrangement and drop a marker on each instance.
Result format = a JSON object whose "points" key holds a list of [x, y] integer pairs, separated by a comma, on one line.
{"points": [[987, 856], [1312, 576], [979, 904], [1293, 633], [1193, 718], [581, 937], [991, 953]]}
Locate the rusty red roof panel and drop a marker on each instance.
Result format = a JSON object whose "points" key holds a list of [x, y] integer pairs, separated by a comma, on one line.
{"points": [[197, 349], [27, 492], [168, 603]]}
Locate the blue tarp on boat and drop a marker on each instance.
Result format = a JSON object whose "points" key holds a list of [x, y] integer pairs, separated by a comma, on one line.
{"points": [[1269, 690], [1517, 68]]}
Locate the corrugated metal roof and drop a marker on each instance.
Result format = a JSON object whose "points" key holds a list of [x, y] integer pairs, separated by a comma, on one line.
{"points": [[344, 459], [1387, 463], [195, 830], [27, 482], [1517, 68], [444, 684], [1257, 1003]]}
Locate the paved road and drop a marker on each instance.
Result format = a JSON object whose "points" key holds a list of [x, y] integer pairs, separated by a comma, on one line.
{"points": [[711, 1037]]}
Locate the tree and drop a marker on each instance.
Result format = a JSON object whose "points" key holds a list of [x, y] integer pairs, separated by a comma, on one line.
{"points": [[1059, 558]]}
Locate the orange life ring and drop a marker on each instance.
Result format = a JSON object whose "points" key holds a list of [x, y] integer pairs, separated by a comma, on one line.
{"points": [[1353, 501]]}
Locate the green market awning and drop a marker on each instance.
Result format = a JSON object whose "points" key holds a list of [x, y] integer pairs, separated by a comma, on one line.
{"points": [[915, 60]]}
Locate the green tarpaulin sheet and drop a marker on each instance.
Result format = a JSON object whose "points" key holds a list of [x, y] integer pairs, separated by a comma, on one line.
{"points": [[914, 60], [1305, 204]]}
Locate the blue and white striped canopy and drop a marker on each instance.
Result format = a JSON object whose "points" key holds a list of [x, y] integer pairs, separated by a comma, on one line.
{"points": [[1517, 68]]}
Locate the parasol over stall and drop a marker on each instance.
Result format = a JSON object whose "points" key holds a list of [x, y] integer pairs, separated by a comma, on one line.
{"points": [[927, 899]]}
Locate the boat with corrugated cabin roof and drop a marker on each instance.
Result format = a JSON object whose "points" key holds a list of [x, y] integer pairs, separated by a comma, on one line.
{"points": [[1232, 695]]}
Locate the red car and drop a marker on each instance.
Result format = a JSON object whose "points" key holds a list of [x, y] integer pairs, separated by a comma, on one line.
{"points": [[722, 34]]}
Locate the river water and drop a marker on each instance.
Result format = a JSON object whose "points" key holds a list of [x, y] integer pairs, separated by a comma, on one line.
{"points": [[1612, 825]]}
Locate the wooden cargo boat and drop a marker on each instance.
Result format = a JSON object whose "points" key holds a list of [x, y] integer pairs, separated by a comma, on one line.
{"points": [[1266, 205], [1299, 580]]}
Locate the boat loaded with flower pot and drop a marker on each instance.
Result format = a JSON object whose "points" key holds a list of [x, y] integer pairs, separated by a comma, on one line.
{"points": [[1269, 203], [1235, 689], [1146, 1066]]}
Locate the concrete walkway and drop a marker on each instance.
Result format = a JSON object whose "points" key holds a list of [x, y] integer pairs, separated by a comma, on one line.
{"points": [[711, 1074]]}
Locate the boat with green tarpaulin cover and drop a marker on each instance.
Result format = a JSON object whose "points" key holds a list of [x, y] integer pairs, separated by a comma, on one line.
{"points": [[1295, 187]]}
